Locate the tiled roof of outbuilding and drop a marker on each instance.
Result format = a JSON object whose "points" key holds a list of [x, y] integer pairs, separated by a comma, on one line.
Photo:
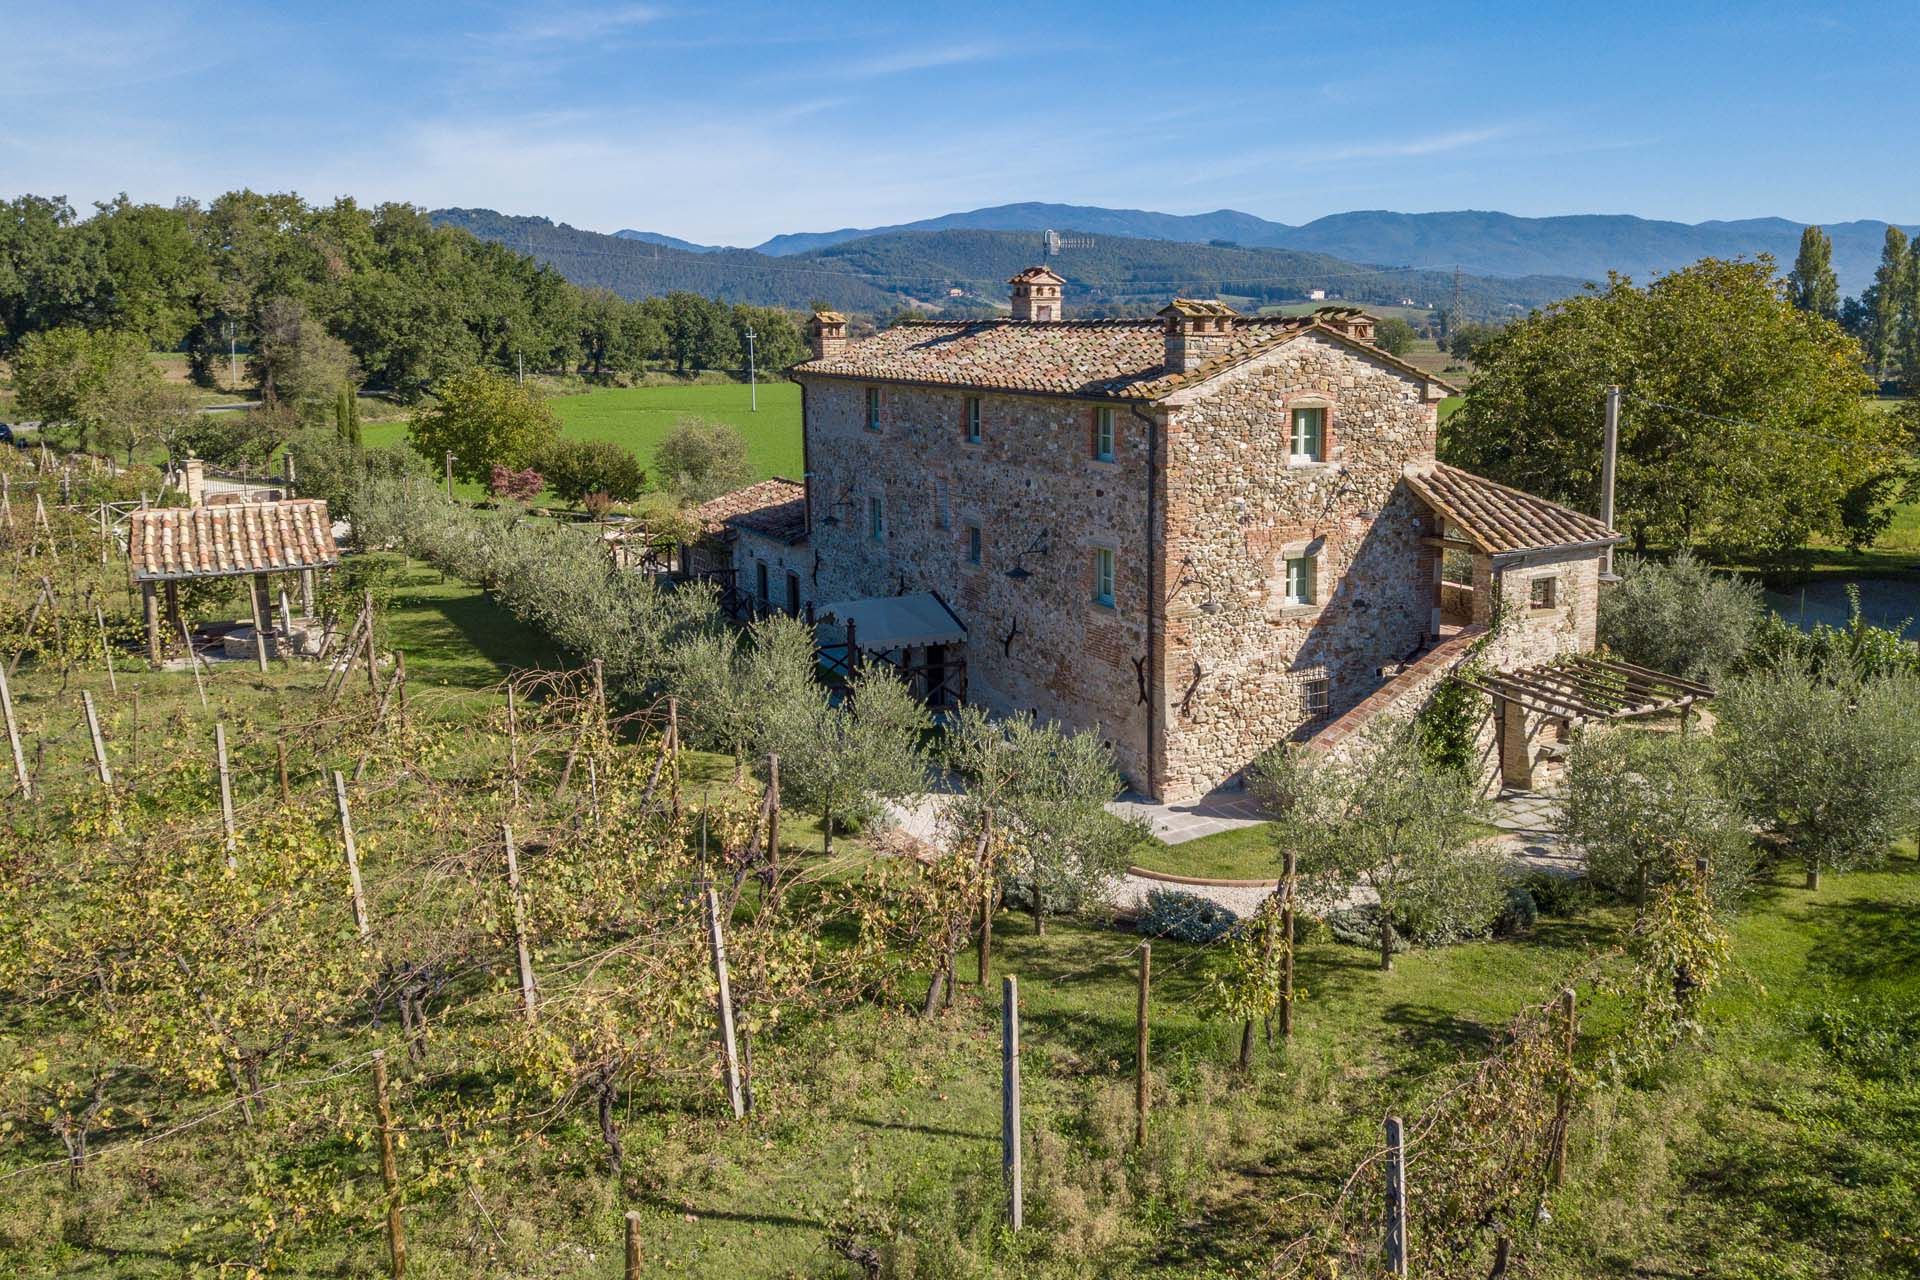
{"points": [[1096, 359], [1497, 519], [241, 537], [775, 508]]}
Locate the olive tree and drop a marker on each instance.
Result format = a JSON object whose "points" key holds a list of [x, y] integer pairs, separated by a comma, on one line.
{"points": [[1633, 796], [1830, 765], [843, 758], [1680, 617], [1387, 819], [1042, 792]]}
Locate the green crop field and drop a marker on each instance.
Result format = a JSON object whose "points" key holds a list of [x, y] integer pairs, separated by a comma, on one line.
{"points": [[641, 417]]}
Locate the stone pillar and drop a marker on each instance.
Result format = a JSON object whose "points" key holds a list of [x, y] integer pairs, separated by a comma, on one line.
{"points": [[196, 482]]}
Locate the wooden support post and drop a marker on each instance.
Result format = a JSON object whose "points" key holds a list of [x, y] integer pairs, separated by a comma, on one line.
{"points": [[389, 1172], [360, 920], [529, 1000], [1010, 1099], [286, 625], [226, 788], [632, 1246], [193, 662], [106, 650], [1564, 1107], [1142, 1088], [1288, 888], [150, 605], [280, 763], [306, 593], [987, 905], [729, 1046], [99, 744], [13, 738], [773, 813], [379, 718], [1396, 1197], [1502, 1247], [373, 654], [259, 623], [513, 745], [673, 762]]}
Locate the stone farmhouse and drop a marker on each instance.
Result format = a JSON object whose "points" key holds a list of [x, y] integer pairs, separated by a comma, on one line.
{"points": [[1199, 534]]}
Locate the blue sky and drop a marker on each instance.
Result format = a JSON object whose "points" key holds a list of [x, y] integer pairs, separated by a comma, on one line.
{"points": [[729, 123]]}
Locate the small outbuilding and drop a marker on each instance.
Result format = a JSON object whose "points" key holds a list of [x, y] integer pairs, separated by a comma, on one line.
{"points": [[171, 545]]}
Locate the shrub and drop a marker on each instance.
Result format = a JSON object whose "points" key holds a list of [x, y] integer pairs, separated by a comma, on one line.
{"points": [[1184, 917], [1555, 894], [1360, 927], [1855, 649], [1448, 727], [1680, 616], [515, 486], [1518, 914], [700, 460]]}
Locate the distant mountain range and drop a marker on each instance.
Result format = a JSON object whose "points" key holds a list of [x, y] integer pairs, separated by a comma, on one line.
{"points": [[963, 271], [1583, 246]]}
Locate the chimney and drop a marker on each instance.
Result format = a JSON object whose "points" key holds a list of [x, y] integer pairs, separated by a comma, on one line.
{"points": [[196, 482], [827, 334], [1036, 295], [1197, 331], [1351, 321]]}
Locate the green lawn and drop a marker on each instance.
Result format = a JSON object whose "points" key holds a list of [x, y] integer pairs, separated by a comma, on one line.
{"points": [[640, 417], [1245, 853]]}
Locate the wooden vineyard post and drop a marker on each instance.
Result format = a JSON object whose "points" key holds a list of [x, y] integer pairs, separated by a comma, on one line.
{"points": [[529, 1002], [1286, 937], [133, 738], [193, 664], [1142, 1089], [1396, 1197], [673, 763], [1502, 1247], [988, 903], [1564, 1110], [353, 855], [106, 650], [226, 787], [1010, 1098], [729, 1046], [280, 763], [13, 738], [633, 1245], [380, 711], [513, 745], [259, 624], [773, 813], [373, 654], [99, 744], [389, 1172]]}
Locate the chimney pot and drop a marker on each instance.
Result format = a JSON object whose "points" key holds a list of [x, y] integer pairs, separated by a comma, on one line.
{"points": [[1197, 331]]}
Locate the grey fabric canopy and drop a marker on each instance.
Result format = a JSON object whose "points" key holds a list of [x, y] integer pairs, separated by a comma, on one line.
{"points": [[896, 622]]}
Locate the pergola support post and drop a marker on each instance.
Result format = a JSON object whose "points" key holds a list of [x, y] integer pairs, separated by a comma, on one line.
{"points": [[150, 601]]}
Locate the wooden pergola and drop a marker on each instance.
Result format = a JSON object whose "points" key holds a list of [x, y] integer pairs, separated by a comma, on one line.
{"points": [[170, 545], [1584, 687]]}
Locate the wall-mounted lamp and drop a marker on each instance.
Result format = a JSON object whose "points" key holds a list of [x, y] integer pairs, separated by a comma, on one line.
{"points": [[1019, 572]]}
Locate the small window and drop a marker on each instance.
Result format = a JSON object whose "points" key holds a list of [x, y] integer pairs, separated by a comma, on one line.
{"points": [[1103, 435], [1299, 580], [873, 408], [1316, 699], [760, 582], [1309, 435], [876, 520], [974, 544], [1544, 593], [1103, 577], [973, 419], [793, 594], [1456, 566], [942, 516]]}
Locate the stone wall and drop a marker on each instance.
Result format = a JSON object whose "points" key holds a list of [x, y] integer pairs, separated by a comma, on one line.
{"points": [[751, 550], [1237, 659], [1035, 643]]}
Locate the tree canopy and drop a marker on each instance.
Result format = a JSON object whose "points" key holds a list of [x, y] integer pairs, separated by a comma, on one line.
{"points": [[484, 418], [1745, 423]]}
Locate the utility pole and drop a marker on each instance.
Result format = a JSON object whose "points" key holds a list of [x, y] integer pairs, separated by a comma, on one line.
{"points": [[233, 360], [753, 381], [520, 362], [449, 475], [1609, 454]]}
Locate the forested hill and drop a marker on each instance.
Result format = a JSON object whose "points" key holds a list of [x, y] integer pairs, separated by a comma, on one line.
{"points": [[639, 269], [1480, 241], [881, 274]]}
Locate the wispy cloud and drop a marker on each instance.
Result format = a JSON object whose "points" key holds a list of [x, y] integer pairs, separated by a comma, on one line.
{"points": [[575, 26], [1402, 148], [925, 58]]}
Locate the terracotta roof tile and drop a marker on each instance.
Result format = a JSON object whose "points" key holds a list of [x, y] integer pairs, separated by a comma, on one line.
{"points": [[1095, 359], [1037, 275], [245, 537], [1497, 519], [775, 508]]}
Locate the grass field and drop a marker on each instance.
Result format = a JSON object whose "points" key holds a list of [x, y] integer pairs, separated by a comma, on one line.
{"points": [[640, 417]]}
